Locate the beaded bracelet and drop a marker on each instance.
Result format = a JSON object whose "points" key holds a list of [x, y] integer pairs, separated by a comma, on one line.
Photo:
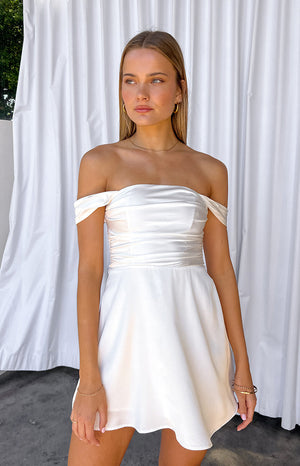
{"points": [[245, 390], [90, 394]]}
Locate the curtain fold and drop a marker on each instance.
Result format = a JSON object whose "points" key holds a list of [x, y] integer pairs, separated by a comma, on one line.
{"points": [[242, 61]]}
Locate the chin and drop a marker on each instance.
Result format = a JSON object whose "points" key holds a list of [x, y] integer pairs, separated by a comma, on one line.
{"points": [[143, 121], [146, 120]]}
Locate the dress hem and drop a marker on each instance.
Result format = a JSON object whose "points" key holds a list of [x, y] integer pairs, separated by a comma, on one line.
{"points": [[182, 443]]}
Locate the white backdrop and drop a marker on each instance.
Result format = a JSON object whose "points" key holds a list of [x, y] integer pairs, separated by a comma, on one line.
{"points": [[242, 60]]}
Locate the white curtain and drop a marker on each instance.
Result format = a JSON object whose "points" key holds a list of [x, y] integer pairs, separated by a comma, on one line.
{"points": [[242, 60]]}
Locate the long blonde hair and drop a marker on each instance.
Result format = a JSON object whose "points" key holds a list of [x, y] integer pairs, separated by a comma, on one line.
{"points": [[164, 43]]}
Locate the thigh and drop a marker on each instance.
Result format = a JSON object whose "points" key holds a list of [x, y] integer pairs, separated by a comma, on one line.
{"points": [[173, 454], [113, 445]]}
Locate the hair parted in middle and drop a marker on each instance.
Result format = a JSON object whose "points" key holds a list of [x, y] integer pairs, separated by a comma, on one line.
{"points": [[164, 43]]}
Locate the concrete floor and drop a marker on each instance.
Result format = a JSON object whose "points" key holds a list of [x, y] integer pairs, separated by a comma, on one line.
{"points": [[35, 429]]}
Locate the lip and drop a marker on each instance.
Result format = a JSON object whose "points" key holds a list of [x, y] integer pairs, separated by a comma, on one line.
{"points": [[142, 109]]}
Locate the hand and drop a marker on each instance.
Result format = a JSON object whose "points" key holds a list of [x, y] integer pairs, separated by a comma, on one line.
{"points": [[84, 412], [246, 403]]}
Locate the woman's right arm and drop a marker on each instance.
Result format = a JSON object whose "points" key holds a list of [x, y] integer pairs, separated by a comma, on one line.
{"points": [[90, 272]]}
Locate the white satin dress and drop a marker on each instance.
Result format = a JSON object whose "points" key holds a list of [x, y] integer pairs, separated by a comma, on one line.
{"points": [[164, 355]]}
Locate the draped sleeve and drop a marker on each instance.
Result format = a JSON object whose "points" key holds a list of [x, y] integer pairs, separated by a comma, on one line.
{"points": [[85, 206], [219, 210]]}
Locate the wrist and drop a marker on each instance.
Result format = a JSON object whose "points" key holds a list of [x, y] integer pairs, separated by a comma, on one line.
{"points": [[94, 393], [242, 363], [243, 376], [89, 381]]}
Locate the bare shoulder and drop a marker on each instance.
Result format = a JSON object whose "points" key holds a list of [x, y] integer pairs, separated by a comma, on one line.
{"points": [[216, 170], [216, 174], [96, 165]]}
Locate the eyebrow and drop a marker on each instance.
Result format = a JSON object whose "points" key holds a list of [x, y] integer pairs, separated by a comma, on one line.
{"points": [[151, 74]]}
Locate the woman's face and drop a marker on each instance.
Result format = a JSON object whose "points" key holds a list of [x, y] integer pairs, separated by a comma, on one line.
{"points": [[149, 87]]}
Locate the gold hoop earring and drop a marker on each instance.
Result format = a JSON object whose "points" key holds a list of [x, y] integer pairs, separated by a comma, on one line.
{"points": [[123, 107], [176, 108]]}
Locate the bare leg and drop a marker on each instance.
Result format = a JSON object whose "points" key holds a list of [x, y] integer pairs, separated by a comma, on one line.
{"points": [[113, 445], [173, 454]]}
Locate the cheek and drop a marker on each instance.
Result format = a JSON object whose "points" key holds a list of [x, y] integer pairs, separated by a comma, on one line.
{"points": [[166, 99], [127, 94], [165, 93]]}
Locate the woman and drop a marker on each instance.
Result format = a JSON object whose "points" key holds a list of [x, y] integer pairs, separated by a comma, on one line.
{"points": [[159, 356]]}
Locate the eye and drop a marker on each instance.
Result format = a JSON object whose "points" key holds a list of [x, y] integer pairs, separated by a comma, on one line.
{"points": [[157, 80], [129, 81]]}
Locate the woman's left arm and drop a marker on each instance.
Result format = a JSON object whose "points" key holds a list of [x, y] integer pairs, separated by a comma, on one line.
{"points": [[220, 269]]}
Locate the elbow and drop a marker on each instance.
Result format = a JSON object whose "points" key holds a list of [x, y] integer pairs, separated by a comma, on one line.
{"points": [[90, 272], [220, 269]]}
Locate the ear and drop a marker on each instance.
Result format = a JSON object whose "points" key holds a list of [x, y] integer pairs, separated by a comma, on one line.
{"points": [[180, 91]]}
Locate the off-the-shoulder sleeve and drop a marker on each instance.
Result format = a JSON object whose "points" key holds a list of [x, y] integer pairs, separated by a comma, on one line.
{"points": [[219, 210], [85, 206]]}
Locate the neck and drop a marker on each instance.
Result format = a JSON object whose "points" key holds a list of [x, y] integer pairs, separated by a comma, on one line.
{"points": [[156, 138]]}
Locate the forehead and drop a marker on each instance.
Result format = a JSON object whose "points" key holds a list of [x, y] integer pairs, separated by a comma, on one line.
{"points": [[146, 61]]}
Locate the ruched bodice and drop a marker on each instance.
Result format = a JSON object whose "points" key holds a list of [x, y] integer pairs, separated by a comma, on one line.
{"points": [[153, 225]]}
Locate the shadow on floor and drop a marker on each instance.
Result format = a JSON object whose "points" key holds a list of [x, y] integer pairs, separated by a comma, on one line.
{"points": [[35, 429]]}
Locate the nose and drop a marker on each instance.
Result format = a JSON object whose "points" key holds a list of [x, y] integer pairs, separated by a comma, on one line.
{"points": [[142, 92]]}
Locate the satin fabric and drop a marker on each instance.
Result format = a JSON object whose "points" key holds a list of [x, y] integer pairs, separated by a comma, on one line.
{"points": [[167, 230], [164, 355]]}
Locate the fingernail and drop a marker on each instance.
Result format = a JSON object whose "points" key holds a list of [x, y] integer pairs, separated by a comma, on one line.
{"points": [[244, 417], [103, 430]]}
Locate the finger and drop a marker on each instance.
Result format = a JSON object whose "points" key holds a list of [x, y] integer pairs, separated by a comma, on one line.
{"points": [[250, 405], [103, 420], [90, 435], [244, 424], [75, 428], [74, 423], [242, 408], [81, 431]]}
